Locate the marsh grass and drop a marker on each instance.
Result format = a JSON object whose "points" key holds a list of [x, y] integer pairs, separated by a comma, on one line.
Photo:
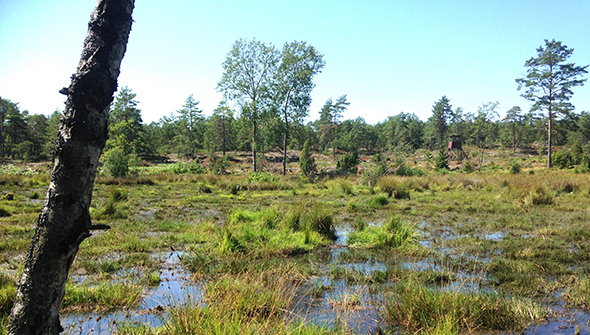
{"points": [[101, 298], [378, 200], [249, 303], [418, 308], [319, 219], [578, 295], [394, 233], [7, 294], [246, 227]]}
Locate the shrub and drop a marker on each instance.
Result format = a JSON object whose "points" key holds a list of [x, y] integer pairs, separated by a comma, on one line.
{"points": [[442, 161], [514, 167], [562, 159], [195, 167], [405, 171], [371, 175], [467, 167], [219, 165], [115, 163], [260, 176], [293, 217], [306, 160], [348, 163]]}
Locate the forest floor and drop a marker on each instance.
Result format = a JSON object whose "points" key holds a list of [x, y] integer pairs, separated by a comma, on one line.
{"points": [[436, 253]]}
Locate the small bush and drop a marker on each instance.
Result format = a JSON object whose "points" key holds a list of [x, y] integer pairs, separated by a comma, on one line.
{"points": [[219, 165], [293, 217], [442, 161], [467, 167], [394, 188], [118, 194], [562, 159], [115, 163], [271, 218], [260, 176], [306, 160], [195, 168], [348, 163], [178, 168], [515, 167], [405, 171]]}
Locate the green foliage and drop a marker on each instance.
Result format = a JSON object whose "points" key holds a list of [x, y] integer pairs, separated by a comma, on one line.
{"points": [[219, 165], [378, 200], [539, 196], [348, 163], [319, 218], [306, 160], [7, 294], [187, 168], [549, 82], [405, 171], [394, 233], [260, 176], [393, 188], [562, 159], [442, 161], [115, 163], [126, 130], [359, 224], [101, 298], [514, 167], [467, 168], [418, 308]]}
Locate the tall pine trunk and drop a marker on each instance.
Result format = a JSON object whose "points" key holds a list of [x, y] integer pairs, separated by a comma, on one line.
{"points": [[64, 221], [549, 138]]}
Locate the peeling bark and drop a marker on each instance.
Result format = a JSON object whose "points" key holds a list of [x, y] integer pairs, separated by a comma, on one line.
{"points": [[64, 221]]}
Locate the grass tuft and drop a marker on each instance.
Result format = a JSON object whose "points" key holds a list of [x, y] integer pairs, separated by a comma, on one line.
{"points": [[395, 233], [417, 308]]}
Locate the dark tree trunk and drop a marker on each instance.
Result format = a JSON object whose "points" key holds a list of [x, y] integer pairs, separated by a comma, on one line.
{"points": [[549, 137], [285, 139], [254, 145], [64, 221]]}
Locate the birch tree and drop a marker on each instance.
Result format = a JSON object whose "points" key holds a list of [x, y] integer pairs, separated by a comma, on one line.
{"points": [[64, 221]]}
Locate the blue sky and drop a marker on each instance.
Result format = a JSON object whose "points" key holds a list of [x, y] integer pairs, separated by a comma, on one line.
{"points": [[387, 56]]}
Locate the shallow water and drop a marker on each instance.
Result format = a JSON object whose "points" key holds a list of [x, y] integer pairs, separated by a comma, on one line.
{"points": [[341, 303], [174, 288]]}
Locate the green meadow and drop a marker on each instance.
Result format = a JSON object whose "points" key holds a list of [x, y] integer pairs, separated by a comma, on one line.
{"points": [[439, 252]]}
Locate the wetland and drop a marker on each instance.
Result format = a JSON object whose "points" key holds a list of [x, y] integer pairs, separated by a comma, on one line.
{"points": [[440, 253]]}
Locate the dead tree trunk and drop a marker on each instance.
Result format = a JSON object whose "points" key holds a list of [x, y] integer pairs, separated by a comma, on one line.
{"points": [[64, 221]]}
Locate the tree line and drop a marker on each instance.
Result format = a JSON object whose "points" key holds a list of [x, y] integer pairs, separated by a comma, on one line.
{"points": [[188, 131], [267, 94]]}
